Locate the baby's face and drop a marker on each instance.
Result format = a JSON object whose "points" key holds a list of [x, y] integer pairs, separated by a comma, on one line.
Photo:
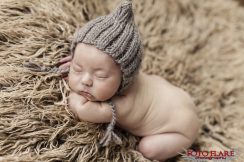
{"points": [[93, 74]]}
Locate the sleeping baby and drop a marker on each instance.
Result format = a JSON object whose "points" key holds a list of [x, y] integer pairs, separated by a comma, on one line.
{"points": [[107, 87]]}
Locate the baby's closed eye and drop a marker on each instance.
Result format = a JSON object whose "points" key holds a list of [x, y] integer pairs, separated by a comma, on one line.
{"points": [[101, 75]]}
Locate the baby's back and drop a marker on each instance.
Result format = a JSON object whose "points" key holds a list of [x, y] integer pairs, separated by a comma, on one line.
{"points": [[152, 106]]}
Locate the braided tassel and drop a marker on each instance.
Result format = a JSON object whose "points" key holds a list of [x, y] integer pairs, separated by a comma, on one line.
{"points": [[110, 135], [38, 68]]}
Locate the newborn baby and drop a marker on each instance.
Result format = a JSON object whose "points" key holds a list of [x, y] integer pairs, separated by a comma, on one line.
{"points": [[106, 84]]}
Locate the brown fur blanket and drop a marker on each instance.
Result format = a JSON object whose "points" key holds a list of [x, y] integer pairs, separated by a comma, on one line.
{"points": [[195, 44]]}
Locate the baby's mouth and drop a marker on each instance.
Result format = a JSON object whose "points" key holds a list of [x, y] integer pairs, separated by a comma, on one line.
{"points": [[86, 95]]}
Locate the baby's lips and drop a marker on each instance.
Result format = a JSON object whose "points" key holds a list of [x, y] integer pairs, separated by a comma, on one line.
{"points": [[87, 96]]}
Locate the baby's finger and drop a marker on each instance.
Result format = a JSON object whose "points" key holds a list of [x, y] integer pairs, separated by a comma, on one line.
{"points": [[65, 75], [65, 59], [65, 66]]}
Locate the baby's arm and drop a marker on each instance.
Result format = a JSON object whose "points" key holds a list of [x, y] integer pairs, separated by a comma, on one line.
{"points": [[95, 112]]}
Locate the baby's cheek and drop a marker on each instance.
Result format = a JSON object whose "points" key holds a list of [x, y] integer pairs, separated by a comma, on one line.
{"points": [[97, 87], [110, 87], [101, 91], [104, 85], [73, 81], [70, 80], [114, 85]]}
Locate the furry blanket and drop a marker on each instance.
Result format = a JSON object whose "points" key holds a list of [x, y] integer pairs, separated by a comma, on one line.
{"points": [[195, 44]]}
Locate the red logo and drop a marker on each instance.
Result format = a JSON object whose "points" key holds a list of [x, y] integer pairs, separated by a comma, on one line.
{"points": [[205, 155]]}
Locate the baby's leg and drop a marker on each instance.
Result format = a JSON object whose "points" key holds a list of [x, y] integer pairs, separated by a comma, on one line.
{"points": [[163, 146]]}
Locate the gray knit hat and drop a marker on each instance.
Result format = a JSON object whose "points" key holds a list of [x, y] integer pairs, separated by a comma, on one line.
{"points": [[116, 35]]}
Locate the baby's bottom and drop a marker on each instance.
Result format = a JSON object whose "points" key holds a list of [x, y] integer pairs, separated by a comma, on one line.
{"points": [[163, 146]]}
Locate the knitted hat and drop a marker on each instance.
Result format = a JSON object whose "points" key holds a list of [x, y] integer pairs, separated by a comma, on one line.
{"points": [[116, 35]]}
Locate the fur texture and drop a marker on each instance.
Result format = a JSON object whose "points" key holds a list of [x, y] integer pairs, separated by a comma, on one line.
{"points": [[195, 44]]}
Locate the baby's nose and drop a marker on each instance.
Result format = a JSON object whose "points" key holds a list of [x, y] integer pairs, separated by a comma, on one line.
{"points": [[86, 80]]}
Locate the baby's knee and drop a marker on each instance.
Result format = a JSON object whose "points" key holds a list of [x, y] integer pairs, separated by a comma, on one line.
{"points": [[163, 146], [147, 149]]}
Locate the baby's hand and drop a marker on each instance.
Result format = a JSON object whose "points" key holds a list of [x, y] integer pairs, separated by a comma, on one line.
{"points": [[64, 65], [95, 112], [75, 100]]}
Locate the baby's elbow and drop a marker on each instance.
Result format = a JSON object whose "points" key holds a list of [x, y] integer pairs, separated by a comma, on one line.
{"points": [[104, 116]]}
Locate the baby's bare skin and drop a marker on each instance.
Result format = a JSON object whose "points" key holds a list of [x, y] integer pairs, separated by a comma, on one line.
{"points": [[154, 109], [162, 114], [152, 106]]}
